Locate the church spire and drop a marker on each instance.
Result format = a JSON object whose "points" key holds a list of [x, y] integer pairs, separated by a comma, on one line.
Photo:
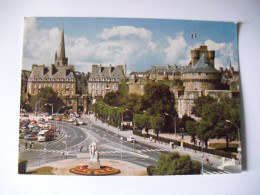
{"points": [[62, 44], [60, 58]]}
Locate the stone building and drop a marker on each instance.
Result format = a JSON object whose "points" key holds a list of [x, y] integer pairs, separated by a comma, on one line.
{"points": [[24, 80], [104, 79], [60, 76], [200, 78]]}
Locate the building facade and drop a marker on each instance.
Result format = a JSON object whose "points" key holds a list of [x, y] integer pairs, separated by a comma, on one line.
{"points": [[104, 79]]}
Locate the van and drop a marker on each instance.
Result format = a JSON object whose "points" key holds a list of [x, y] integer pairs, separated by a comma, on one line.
{"points": [[43, 135]]}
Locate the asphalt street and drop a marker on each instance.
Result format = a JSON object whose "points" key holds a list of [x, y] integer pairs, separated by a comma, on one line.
{"points": [[109, 145]]}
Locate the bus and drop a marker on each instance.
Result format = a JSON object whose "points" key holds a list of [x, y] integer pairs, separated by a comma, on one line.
{"points": [[44, 135]]}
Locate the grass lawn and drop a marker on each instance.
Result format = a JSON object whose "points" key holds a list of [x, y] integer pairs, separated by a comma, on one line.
{"points": [[222, 146]]}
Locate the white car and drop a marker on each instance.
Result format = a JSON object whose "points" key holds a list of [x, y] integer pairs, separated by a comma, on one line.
{"points": [[81, 122], [131, 139]]}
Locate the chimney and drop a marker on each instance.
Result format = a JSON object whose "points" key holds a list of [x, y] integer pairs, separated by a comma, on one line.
{"points": [[125, 69], [100, 67]]}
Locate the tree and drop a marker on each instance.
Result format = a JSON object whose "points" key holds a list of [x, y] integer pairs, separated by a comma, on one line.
{"points": [[231, 112], [205, 131], [46, 95], [191, 130], [113, 98], [156, 124], [174, 164], [199, 103], [158, 100]]}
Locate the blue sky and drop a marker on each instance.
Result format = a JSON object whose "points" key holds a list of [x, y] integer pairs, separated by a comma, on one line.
{"points": [[139, 43]]}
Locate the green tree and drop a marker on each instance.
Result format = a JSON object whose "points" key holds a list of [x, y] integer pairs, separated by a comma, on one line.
{"points": [[158, 100], [205, 131], [46, 95], [199, 103], [174, 164], [156, 124], [113, 98], [191, 130]]}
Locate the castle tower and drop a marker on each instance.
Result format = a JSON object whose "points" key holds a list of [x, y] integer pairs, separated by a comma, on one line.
{"points": [[198, 52], [60, 58]]}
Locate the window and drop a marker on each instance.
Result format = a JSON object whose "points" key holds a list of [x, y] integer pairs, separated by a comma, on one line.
{"points": [[39, 85], [71, 85]]}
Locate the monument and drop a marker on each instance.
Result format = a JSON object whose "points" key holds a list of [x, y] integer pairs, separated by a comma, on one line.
{"points": [[94, 156], [94, 168]]}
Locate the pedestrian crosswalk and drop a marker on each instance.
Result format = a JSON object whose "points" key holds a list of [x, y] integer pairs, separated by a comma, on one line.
{"points": [[101, 152], [215, 172], [42, 150], [154, 150]]}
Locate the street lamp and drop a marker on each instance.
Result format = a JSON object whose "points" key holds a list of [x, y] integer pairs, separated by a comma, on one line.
{"points": [[35, 106], [238, 138], [51, 107], [202, 156], [174, 124], [61, 119], [121, 140]]}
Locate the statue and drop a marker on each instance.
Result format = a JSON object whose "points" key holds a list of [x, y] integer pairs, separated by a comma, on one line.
{"points": [[92, 150], [94, 156]]}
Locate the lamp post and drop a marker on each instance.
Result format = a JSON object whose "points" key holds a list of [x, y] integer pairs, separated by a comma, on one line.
{"points": [[121, 140], [35, 106], [174, 124], [238, 139], [61, 119], [202, 156]]}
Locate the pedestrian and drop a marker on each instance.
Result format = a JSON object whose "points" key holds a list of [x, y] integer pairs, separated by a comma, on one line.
{"points": [[207, 160], [81, 147], [32, 144], [25, 145]]}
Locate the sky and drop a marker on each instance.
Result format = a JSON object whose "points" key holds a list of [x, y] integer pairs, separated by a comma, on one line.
{"points": [[138, 43]]}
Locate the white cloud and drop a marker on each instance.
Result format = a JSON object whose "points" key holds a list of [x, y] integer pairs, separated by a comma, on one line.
{"points": [[118, 45], [125, 32], [39, 44], [175, 52], [224, 53]]}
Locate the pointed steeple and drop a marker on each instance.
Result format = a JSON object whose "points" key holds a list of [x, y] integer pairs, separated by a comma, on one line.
{"points": [[62, 44], [60, 57]]}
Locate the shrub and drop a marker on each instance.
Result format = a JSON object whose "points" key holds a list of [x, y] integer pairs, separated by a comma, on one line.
{"points": [[22, 165], [151, 170]]}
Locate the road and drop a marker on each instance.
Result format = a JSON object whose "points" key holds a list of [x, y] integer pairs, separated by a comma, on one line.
{"points": [[109, 145]]}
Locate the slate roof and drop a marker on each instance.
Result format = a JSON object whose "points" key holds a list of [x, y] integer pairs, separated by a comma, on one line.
{"points": [[52, 72], [201, 66], [107, 72]]}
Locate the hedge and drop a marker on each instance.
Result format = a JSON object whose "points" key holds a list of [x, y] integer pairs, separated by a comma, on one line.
{"points": [[186, 145]]}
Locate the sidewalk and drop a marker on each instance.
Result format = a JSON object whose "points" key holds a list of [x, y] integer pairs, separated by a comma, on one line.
{"points": [[195, 155]]}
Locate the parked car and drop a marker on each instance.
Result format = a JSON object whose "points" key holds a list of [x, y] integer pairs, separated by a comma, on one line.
{"points": [[30, 137], [131, 139]]}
